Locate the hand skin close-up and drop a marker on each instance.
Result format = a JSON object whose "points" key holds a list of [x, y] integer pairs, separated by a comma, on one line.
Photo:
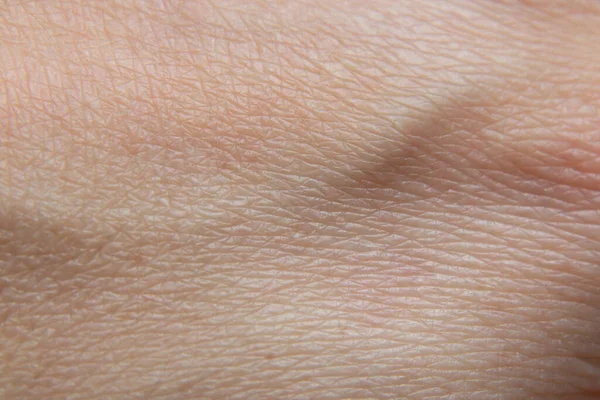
{"points": [[301, 199]]}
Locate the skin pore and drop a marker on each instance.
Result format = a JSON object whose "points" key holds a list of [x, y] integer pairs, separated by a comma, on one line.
{"points": [[299, 199]]}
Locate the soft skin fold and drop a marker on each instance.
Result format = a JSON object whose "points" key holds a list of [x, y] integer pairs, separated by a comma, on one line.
{"points": [[299, 199]]}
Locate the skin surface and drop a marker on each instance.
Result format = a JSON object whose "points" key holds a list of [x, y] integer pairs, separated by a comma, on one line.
{"points": [[299, 199]]}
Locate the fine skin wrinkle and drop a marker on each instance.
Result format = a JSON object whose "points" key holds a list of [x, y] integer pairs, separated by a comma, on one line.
{"points": [[299, 199]]}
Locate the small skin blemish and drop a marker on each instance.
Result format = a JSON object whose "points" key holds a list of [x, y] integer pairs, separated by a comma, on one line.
{"points": [[137, 259]]}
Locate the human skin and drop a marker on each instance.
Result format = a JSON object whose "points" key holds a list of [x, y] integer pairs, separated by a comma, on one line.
{"points": [[299, 199]]}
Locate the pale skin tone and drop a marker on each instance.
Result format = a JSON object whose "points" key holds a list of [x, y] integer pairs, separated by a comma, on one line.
{"points": [[299, 199]]}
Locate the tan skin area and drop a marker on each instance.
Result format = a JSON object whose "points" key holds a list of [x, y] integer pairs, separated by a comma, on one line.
{"points": [[299, 199]]}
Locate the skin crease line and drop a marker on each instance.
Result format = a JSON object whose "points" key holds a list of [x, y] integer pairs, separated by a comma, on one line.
{"points": [[301, 199]]}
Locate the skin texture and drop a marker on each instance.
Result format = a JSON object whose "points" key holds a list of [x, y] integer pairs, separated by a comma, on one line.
{"points": [[299, 199]]}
